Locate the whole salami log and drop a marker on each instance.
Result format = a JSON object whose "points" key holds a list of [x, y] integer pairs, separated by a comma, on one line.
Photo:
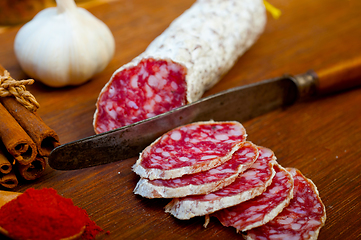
{"points": [[263, 208], [301, 219], [203, 182], [248, 185], [189, 149], [189, 57]]}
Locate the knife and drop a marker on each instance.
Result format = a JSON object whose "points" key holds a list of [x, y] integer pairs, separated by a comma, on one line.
{"points": [[236, 104]]}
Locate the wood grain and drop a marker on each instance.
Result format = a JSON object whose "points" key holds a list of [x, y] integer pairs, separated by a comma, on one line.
{"points": [[321, 137]]}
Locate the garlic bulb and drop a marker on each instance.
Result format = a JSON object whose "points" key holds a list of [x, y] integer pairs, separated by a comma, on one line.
{"points": [[64, 45]]}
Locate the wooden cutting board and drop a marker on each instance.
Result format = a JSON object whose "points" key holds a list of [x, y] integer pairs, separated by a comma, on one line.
{"points": [[321, 137]]}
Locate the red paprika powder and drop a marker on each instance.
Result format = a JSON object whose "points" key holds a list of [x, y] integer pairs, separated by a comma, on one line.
{"points": [[43, 214]]}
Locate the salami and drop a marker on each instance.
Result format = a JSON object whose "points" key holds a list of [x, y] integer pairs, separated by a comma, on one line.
{"points": [[263, 208], [188, 58], [301, 219], [249, 184], [189, 149], [202, 182]]}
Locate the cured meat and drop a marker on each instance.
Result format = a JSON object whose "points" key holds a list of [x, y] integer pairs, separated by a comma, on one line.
{"points": [[202, 182], [301, 219], [190, 149], [263, 208], [188, 58], [249, 184], [139, 92]]}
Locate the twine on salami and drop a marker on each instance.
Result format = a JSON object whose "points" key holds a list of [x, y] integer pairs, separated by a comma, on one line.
{"points": [[11, 87]]}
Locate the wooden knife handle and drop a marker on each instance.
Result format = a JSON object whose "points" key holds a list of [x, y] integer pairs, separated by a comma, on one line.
{"points": [[340, 77]]}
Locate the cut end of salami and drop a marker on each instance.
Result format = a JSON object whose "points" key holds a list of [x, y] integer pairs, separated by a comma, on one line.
{"points": [[139, 92], [190, 149]]}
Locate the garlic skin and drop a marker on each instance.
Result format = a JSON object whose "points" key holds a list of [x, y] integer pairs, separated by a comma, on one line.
{"points": [[64, 45]]}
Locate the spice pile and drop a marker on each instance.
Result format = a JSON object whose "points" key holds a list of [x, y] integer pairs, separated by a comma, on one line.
{"points": [[25, 140], [44, 214]]}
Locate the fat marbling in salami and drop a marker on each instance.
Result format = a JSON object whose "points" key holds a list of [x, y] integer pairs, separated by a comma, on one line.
{"points": [[263, 208], [188, 58], [202, 182], [248, 185], [189, 149], [301, 219]]}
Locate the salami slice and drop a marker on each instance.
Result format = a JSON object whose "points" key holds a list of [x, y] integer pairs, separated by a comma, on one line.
{"points": [[249, 184], [202, 182], [191, 148], [189, 57], [263, 208], [301, 219]]}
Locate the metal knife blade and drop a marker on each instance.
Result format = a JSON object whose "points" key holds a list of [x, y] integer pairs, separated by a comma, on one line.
{"points": [[239, 104]]}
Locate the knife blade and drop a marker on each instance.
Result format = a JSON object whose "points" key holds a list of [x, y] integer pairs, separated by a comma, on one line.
{"points": [[240, 104], [237, 104]]}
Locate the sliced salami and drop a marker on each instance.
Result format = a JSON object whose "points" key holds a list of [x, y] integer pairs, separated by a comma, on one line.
{"points": [[202, 182], [263, 208], [301, 219], [189, 149], [188, 58], [249, 184]]}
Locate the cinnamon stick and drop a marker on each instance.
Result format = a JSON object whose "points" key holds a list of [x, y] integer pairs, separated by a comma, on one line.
{"points": [[44, 137], [5, 164], [16, 140], [33, 170], [9, 180]]}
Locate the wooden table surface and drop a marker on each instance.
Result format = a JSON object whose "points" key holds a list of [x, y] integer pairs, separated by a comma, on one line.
{"points": [[321, 137]]}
